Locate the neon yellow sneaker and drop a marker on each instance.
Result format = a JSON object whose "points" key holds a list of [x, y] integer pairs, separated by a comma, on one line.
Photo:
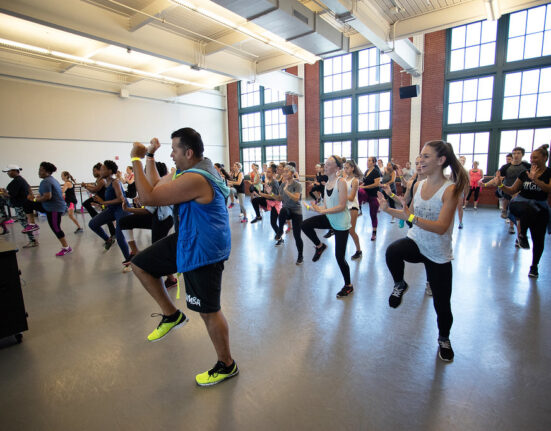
{"points": [[165, 326], [217, 374]]}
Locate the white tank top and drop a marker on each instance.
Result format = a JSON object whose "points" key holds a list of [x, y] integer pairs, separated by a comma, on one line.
{"points": [[437, 248], [354, 203]]}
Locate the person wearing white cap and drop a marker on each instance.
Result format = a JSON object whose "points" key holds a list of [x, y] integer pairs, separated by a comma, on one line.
{"points": [[16, 193]]}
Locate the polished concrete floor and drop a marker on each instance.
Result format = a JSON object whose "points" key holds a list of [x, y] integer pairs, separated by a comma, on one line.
{"points": [[308, 361]]}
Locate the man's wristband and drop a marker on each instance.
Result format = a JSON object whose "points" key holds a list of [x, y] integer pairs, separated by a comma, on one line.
{"points": [[392, 195], [135, 159], [411, 217], [500, 186], [150, 155], [34, 200]]}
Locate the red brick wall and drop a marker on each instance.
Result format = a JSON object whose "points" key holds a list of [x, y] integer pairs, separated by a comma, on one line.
{"points": [[432, 102], [233, 122], [292, 126], [401, 116], [312, 114]]}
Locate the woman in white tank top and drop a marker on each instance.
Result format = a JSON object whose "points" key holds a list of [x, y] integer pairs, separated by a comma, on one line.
{"points": [[351, 175], [429, 241]]}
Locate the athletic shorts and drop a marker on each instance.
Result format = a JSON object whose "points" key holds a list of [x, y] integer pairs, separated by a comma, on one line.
{"points": [[203, 284]]}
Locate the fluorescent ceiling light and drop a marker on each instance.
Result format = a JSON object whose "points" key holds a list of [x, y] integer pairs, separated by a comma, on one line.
{"points": [[102, 64], [273, 40]]}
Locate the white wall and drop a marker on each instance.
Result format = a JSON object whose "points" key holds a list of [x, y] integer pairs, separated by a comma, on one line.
{"points": [[76, 128]]}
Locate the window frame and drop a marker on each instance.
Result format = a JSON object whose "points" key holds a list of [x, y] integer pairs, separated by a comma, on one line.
{"points": [[354, 93], [498, 70]]}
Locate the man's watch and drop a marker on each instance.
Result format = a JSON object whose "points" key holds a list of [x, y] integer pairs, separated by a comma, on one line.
{"points": [[151, 155]]}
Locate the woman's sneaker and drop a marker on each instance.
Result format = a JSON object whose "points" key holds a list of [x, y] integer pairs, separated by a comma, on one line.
{"points": [[533, 272], [356, 255], [31, 244], [64, 251], [79, 230], [109, 243], [395, 298], [30, 228], [217, 374], [345, 291], [445, 351]]}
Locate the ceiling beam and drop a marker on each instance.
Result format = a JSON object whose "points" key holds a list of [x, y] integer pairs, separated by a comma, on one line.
{"points": [[89, 53], [90, 21], [221, 43], [154, 9]]}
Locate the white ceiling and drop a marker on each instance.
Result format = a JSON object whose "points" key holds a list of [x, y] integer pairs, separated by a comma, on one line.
{"points": [[149, 46]]}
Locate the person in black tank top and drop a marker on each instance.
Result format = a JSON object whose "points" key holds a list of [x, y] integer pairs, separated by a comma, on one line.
{"points": [[68, 190], [98, 188]]}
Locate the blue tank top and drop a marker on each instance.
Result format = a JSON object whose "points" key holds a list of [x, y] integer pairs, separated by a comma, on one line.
{"points": [[110, 195], [340, 220], [204, 235]]}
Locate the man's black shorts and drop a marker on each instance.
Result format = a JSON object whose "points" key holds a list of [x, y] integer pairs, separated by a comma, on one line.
{"points": [[203, 285]]}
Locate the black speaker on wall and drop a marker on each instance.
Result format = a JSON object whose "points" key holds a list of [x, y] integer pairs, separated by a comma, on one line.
{"points": [[289, 109], [409, 91]]}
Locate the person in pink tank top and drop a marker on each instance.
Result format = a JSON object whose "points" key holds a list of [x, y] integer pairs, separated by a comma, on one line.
{"points": [[475, 175]]}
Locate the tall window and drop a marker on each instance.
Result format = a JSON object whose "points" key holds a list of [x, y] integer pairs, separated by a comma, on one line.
{"points": [[356, 95], [263, 127], [498, 87]]}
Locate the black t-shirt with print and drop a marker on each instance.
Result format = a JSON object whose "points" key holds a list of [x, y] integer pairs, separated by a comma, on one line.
{"points": [[18, 190], [370, 179], [530, 190]]}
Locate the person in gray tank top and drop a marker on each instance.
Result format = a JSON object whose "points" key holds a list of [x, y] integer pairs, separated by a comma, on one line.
{"points": [[429, 241]]}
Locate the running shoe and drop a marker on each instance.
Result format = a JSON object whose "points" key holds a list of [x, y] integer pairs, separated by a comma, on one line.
{"points": [[460, 226], [31, 244], [504, 215], [517, 245], [319, 252], [329, 233], [392, 220], [533, 272], [445, 351], [428, 290], [256, 219], [109, 243], [166, 325], [126, 262], [30, 228], [279, 242], [231, 206], [244, 220], [356, 255], [395, 299], [300, 260], [79, 230], [64, 251], [523, 242], [288, 230], [512, 230], [345, 291], [373, 236], [217, 374]]}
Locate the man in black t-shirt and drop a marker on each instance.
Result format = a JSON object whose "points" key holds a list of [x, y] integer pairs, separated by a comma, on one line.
{"points": [[16, 192]]}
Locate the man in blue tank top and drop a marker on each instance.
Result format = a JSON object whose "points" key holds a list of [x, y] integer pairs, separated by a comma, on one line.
{"points": [[199, 247]]}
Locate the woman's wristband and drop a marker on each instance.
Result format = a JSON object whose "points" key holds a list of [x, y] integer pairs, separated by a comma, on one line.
{"points": [[392, 195], [411, 217], [150, 155], [500, 186], [34, 200], [135, 159]]}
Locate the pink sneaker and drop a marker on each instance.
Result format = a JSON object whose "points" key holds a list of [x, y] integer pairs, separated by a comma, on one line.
{"points": [[64, 251], [231, 205], [30, 228]]}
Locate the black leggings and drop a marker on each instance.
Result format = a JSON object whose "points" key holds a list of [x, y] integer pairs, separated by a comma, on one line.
{"points": [[54, 218], [286, 214], [476, 190], [341, 239], [320, 189], [439, 275], [92, 211], [533, 218], [159, 228], [262, 202]]}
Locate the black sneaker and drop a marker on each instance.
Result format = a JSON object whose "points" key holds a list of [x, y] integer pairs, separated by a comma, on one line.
{"points": [[395, 299], [445, 351], [345, 291], [533, 272], [79, 230], [109, 243], [300, 260], [256, 219], [280, 241], [329, 233], [523, 242], [356, 255], [318, 253], [517, 245]]}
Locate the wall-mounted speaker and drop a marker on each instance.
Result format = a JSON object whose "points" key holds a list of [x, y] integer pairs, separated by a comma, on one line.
{"points": [[289, 109], [409, 91]]}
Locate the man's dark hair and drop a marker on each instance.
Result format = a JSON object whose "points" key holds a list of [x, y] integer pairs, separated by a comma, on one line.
{"points": [[519, 149], [112, 166], [293, 164], [97, 166], [48, 167], [189, 138], [509, 155], [161, 169]]}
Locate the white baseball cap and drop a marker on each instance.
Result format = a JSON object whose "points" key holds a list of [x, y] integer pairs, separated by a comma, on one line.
{"points": [[11, 168]]}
